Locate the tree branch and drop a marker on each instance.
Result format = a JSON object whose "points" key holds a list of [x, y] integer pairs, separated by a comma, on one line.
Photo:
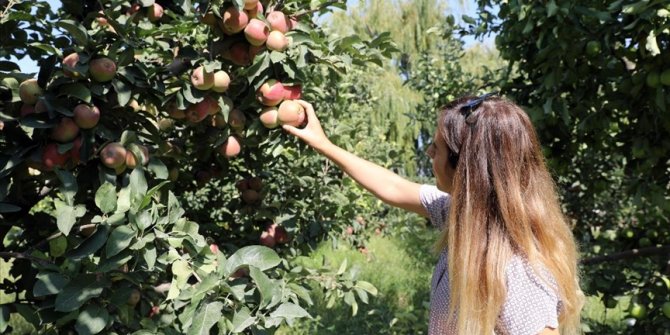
{"points": [[20, 255], [649, 251]]}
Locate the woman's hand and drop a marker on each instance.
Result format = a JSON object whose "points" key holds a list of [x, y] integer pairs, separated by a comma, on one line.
{"points": [[312, 134]]}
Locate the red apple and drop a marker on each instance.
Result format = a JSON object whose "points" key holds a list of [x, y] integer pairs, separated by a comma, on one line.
{"points": [[236, 119], [69, 62], [214, 248], [231, 147], [221, 82], [277, 41], [271, 93], [65, 131], [256, 32], [278, 21], [202, 79], [132, 160], [155, 12], [291, 113], [250, 4], [102, 69], [234, 20], [75, 152], [86, 116], [113, 155], [269, 117], [26, 110], [51, 158], [267, 239], [253, 12], [292, 92]]}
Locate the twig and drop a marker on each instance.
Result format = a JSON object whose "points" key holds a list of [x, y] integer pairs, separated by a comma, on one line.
{"points": [[309, 11], [9, 6], [649, 251]]}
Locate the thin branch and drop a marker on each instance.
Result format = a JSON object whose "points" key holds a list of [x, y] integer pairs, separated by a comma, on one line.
{"points": [[649, 251], [310, 11], [9, 6]]}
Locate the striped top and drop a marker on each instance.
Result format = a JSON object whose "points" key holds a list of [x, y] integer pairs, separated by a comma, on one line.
{"points": [[530, 305]]}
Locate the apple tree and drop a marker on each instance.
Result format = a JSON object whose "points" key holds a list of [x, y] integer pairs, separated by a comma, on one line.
{"points": [[144, 185]]}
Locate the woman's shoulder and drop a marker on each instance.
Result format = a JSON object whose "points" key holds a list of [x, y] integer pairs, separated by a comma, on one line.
{"points": [[436, 203], [520, 271]]}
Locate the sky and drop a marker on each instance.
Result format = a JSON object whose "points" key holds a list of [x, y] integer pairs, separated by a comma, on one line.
{"points": [[456, 7]]}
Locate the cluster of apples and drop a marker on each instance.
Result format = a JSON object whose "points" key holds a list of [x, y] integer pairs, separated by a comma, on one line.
{"points": [[273, 234], [250, 190], [118, 157], [273, 93], [259, 31]]}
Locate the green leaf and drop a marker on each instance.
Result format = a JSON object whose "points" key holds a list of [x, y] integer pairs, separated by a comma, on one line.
{"points": [[150, 256], [90, 245], [76, 30], [242, 319], [105, 198], [123, 91], [261, 257], [119, 240], [138, 188], [114, 262], [76, 90], [58, 246], [49, 283], [68, 185], [4, 318], [366, 286], [158, 168], [205, 318], [92, 320], [78, 291], [182, 272], [289, 311], [343, 267], [265, 286], [66, 215], [8, 208]]}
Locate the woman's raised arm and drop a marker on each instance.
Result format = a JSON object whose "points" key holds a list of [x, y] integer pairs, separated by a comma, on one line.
{"points": [[383, 183]]}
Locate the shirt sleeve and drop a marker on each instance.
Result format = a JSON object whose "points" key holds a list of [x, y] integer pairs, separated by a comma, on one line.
{"points": [[531, 304], [436, 204]]}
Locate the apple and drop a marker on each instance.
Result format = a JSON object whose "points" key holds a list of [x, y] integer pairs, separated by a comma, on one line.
{"points": [[30, 91], [131, 159], [256, 32], [175, 112], [214, 248], [280, 234], [236, 119], [209, 19], [200, 111], [102, 69], [69, 62], [165, 124], [113, 155], [221, 82], [85, 116], [231, 147], [234, 20], [253, 12], [255, 183], [254, 50], [267, 239], [276, 41], [666, 309], [202, 79], [155, 12], [250, 196], [292, 92], [65, 131], [271, 93], [75, 152], [155, 310], [250, 4], [278, 21], [269, 117], [238, 53], [638, 310], [291, 113], [51, 158], [26, 110]]}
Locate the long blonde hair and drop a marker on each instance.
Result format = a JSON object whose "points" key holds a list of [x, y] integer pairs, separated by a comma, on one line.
{"points": [[504, 203]]}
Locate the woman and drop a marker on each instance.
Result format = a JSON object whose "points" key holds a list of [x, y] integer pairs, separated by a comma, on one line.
{"points": [[508, 260]]}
